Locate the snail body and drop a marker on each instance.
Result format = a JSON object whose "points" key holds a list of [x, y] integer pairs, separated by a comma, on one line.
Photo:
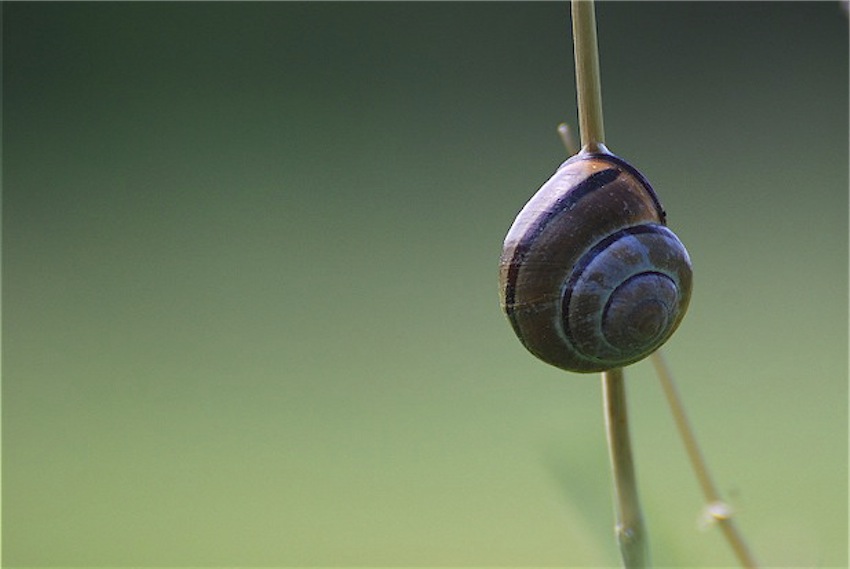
{"points": [[590, 276]]}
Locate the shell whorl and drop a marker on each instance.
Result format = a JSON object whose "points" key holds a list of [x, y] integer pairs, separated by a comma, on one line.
{"points": [[591, 278]]}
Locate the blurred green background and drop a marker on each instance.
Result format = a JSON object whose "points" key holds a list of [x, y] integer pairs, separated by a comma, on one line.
{"points": [[249, 282]]}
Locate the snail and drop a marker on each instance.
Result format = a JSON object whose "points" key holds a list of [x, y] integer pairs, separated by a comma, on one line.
{"points": [[590, 276]]}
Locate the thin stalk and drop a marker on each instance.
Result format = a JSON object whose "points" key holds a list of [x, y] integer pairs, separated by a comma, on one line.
{"points": [[588, 84], [630, 532], [567, 138], [631, 535], [716, 509]]}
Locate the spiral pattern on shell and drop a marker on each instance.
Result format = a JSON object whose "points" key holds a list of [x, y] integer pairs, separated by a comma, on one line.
{"points": [[590, 276]]}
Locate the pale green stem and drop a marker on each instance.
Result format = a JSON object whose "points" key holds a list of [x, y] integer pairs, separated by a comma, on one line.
{"points": [[716, 509], [588, 84], [630, 531], [567, 138]]}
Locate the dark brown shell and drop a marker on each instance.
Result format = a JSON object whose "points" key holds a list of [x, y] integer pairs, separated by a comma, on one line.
{"points": [[590, 277]]}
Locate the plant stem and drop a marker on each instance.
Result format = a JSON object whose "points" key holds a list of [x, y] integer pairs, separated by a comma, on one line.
{"points": [[716, 509], [567, 138], [630, 531], [588, 84]]}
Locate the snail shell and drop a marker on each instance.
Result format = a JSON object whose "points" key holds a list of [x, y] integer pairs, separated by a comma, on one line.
{"points": [[590, 276]]}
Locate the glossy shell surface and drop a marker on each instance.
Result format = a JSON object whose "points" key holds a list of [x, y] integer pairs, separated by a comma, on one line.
{"points": [[590, 276]]}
